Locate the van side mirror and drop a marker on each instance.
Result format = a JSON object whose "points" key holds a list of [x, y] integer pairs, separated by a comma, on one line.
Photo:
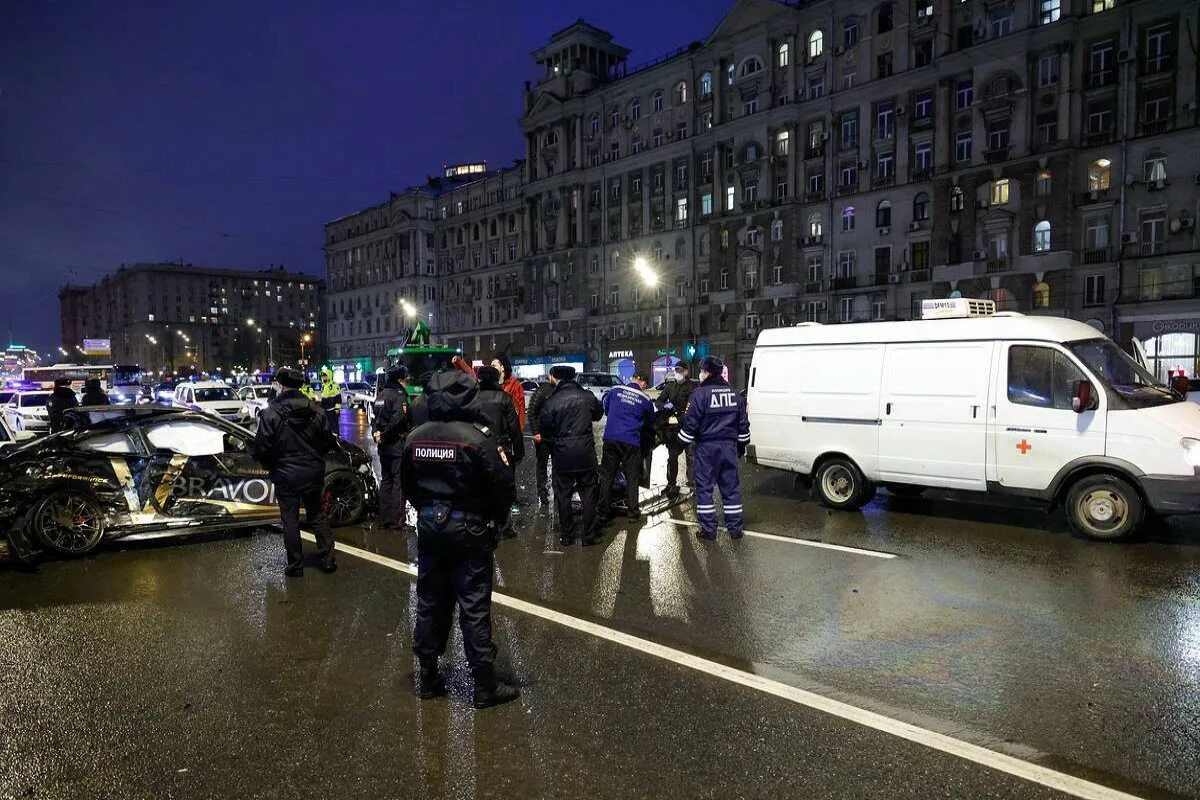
{"points": [[1085, 397], [1181, 385]]}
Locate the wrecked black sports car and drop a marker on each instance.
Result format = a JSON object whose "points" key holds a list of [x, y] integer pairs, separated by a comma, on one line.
{"points": [[148, 471]]}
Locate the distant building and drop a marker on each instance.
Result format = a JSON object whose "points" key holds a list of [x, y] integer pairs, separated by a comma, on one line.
{"points": [[175, 318], [838, 162]]}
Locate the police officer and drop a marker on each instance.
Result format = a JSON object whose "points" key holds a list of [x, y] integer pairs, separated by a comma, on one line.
{"points": [[497, 408], [93, 395], [566, 423], [61, 398], [630, 419], [454, 473], [292, 439], [391, 423], [671, 404], [541, 448], [716, 424], [329, 396]]}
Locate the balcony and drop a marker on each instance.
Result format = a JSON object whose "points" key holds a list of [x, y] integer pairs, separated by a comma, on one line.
{"points": [[1096, 255], [812, 287], [919, 123], [1153, 248], [920, 175], [750, 291], [814, 197], [1093, 196], [919, 276], [883, 180], [843, 284], [999, 265], [1153, 127], [1094, 138], [814, 152], [996, 155]]}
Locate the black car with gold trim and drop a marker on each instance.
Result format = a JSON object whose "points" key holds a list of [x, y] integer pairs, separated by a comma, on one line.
{"points": [[150, 471]]}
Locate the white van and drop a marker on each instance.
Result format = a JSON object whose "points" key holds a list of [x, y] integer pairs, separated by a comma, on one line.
{"points": [[969, 399], [214, 397]]}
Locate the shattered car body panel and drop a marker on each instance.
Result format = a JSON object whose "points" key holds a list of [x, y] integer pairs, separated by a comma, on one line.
{"points": [[157, 471]]}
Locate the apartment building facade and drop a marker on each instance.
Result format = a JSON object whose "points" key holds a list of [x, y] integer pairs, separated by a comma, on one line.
{"points": [[840, 162], [179, 318]]}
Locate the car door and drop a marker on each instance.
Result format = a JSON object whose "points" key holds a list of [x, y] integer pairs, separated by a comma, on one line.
{"points": [[1035, 432]]}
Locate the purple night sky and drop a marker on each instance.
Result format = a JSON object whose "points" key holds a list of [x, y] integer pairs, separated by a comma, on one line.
{"points": [[225, 133]]}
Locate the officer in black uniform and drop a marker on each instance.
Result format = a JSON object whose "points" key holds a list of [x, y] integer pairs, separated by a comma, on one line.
{"points": [[454, 473], [392, 422], [60, 400], [292, 439], [541, 449]]}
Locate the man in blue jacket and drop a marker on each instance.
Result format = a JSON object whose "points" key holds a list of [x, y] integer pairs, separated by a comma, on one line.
{"points": [[630, 415], [717, 424]]}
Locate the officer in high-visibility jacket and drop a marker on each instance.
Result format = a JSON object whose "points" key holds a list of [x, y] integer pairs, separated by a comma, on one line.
{"points": [[717, 425], [329, 397]]}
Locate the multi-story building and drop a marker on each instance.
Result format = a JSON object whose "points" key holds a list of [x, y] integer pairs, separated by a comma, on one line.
{"points": [[174, 318], [840, 162]]}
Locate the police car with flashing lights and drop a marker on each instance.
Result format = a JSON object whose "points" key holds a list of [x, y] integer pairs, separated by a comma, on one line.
{"points": [[26, 411], [970, 399]]}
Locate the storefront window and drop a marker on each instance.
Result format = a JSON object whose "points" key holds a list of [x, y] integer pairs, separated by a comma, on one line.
{"points": [[1171, 352]]}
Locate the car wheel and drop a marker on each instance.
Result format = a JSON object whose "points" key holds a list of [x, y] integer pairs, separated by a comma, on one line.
{"points": [[343, 499], [1105, 507], [841, 485], [68, 523]]}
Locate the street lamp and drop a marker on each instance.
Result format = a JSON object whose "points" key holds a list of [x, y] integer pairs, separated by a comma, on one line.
{"points": [[408, 308], [305, 339], [649, 277]]}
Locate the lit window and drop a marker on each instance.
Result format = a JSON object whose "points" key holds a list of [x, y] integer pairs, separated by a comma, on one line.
{"points": [[1099, 175], [781, 143], [706, 85], [1000, 192], [784, 55], [816, 44], [1044, 183], [681, 211], [957, 200], [815, 225], [681, 93], [848, 218], [706, 204], [730, 195], [1156, 170], [1041, 237], [1050, 11], [1041, 295]]}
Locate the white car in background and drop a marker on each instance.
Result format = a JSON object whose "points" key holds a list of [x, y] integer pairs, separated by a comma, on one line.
{"points": [[254, 399], [26, 411], [211, 397], [599, 383], [357, 394], [10, 438]]}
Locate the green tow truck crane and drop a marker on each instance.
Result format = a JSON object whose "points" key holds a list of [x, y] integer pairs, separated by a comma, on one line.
{"points": [[421, 357]]}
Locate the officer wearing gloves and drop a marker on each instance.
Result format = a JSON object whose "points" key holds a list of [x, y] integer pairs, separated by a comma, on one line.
{"points": [[717, 425], [541, 448], [566, 423], [392, 422], [454, 473], [630, 415], [292, 439], [671, 404], [329, 396]]}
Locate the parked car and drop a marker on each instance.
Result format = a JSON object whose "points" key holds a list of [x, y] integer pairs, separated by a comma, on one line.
{"points": [[254, 399], [26, 411], [164, 392], [10, 438], [148, 471], [358, 394], [598, 383], [966, 399], [213, 397]]}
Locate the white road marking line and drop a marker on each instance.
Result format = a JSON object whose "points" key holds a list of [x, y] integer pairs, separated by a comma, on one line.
{"points": [[1034, 773], [858, 551]]}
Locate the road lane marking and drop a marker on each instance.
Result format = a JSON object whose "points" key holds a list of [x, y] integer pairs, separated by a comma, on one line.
{"points": [[858, 551], [1034, 773]]}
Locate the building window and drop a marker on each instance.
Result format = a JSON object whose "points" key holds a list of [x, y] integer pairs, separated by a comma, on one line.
{"points": [[1041, 295], [964, 94], [750, 107], [845, 264], [1044, 184], [657, 100], [777, 231], [885, 165], [783, 55], [883, 214], [750, 66], [1158, 48], [680, 95], [923, 157], [635, 108], [614, 295], [724, 279], [681, 211], [883, 20], [849, 32], [730, 197], [636, 145], [849, 129], [595, 127], [782, 143], [814, 269], [1093, 290], [849, 174], [781, 189], [923, 107], [1000, 22], [848, 218], [1047, 128], [724, 238], [1103, 5], [816, 181], [1049, 11], [921, 207], [1154, 231], [1000, 192], [816, 44], [884, 121], [962, 147], [998, 135], [1099, 175], [957, 199], [1095, 232], [923, 53], [753, 237], [706, 85], [1047, 70], [706, 204], [1156, 170], [883, 65], [1041, 237], [750, 192]]}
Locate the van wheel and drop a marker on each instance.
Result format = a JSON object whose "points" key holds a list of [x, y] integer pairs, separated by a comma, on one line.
{"points": [[1105, 507], [841, 485]]}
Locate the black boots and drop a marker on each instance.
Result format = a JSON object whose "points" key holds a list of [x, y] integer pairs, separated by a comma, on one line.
{"points": [[491, 692], [430, 683]]}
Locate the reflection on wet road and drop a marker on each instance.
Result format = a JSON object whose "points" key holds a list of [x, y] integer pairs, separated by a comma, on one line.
{"points": [[194, 670]]}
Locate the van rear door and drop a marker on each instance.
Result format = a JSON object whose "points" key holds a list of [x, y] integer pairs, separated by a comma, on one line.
{"points": [[1035, 432], [933, 412]]}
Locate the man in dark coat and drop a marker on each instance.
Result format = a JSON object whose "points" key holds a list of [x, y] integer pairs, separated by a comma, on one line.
{"points": [[497, 407], [291, 442], [93, 395], [672, 402], [454, 473], [541, 448], [391, 423], [61, 398], [566, 423]]}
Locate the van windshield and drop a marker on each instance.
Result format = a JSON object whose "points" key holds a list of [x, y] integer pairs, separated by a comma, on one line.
{"points": [[1122, 374]]}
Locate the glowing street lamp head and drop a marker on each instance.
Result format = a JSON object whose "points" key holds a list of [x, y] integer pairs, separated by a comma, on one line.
{"points": [[250, 322], [641, 264]]}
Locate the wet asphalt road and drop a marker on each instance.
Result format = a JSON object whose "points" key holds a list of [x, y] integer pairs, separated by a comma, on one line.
{"points": [[193, 669]]}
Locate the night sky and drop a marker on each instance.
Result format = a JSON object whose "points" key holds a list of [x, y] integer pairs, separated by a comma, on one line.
{"points": [[225, 133]]}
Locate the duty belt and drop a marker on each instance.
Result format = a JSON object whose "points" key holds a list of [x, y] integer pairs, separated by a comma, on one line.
{"points": [[441, 513]]}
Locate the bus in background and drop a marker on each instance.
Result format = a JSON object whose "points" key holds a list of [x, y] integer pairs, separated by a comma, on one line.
{"points": [[123, 382]]}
